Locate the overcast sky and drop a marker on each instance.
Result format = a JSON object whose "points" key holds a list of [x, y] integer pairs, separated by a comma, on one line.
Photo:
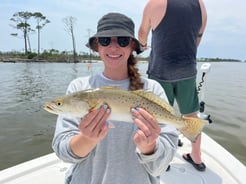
{"points": [[224, 37]]}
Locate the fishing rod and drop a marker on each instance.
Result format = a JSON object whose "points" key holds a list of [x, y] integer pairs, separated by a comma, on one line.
{"points": [[205, 68]]}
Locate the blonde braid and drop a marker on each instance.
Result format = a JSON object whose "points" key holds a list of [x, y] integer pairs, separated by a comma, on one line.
{"points": [[134, 75]]}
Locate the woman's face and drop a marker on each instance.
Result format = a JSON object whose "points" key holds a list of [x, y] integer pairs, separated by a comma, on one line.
{"points": [[112, 54]]}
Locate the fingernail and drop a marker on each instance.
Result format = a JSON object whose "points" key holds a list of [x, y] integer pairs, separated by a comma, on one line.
{"points": [[137, 108], [105, 106], [132, 109], [108, 110]]}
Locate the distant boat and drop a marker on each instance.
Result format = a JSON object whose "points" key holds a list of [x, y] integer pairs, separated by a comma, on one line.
{"points": [[222, 168]]}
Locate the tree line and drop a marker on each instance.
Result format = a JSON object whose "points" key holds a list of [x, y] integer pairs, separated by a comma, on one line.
{"points": [[23, 21]]}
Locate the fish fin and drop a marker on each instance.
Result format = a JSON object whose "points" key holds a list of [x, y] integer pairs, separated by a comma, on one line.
{"points": [[96, 105], [154, 98], [193, 127], [111, 87]]}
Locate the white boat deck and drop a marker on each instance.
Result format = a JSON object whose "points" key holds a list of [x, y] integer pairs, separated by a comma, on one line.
{"points": [[222, 168]]}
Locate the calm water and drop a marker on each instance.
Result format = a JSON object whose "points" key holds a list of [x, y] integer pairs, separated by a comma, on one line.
{"points": [[27, 130]]}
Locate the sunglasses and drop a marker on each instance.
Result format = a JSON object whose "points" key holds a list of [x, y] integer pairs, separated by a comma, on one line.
{"points": [[122, 41]]}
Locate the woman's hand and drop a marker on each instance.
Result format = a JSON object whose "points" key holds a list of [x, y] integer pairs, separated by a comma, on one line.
{"points": [[93, 128], [93, 125], [148, 130]]}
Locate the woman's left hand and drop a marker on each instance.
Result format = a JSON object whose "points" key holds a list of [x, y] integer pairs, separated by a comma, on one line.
{"points": [[148, 130]]}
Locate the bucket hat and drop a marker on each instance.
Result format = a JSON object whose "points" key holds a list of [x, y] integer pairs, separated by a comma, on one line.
{"points": [[113, 25]]}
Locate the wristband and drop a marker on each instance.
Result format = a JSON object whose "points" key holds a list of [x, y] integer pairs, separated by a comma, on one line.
{"points": [[199, 35]]}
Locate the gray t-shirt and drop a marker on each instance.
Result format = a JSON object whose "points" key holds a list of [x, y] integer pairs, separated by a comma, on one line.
{"points": [[115, 159]]}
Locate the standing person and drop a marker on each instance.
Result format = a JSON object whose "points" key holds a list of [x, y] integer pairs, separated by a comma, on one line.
{"points": [[177, 28], [135, 152]]}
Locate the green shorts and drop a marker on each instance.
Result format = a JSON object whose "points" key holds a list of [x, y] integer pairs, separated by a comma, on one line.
{"points": [[185, 93]]}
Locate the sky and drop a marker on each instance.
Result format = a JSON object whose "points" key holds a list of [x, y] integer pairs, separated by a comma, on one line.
{"points": [[224, 37]]}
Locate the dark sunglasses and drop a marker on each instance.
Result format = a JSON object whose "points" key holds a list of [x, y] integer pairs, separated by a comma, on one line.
{"points": [[122, 41]]}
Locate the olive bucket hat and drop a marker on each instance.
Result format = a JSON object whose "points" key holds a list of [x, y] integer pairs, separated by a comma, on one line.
{"points": [[113, 25]]}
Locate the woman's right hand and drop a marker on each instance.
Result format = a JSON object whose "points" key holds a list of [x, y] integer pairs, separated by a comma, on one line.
{"points": [[93, 128]]}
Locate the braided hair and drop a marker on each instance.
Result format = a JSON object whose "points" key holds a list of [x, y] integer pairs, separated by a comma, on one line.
{"points": [[133, 73]]}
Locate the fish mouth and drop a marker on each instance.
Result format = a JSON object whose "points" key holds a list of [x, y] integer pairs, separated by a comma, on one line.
{"points": [[50, 108]]}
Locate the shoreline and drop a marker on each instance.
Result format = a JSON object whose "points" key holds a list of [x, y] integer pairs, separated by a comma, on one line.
{"points": [[10, 59], [13, 59]]}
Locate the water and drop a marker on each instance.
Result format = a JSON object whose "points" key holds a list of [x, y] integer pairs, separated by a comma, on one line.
{"points": [[27, 130]]}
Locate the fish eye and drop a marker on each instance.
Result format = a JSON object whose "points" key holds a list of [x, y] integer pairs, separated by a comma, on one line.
{"points": [[58, 103]]}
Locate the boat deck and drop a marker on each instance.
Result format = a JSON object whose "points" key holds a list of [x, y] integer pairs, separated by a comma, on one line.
{"points": [[222, 168]]}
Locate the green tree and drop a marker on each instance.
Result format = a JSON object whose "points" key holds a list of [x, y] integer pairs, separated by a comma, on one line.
{"points": [[69, 28], [21, 23], [41, 22]]}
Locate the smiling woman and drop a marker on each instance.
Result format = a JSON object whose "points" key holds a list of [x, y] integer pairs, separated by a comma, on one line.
{"points": [[98, 153], [115, 42]]}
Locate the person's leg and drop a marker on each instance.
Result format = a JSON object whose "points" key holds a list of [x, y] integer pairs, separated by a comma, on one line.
{"points": [[196, 146], [168, 88], [196, 151], [188, 102], [187, 97]]}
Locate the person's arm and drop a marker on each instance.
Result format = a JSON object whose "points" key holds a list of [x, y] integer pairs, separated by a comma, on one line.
{"points": [[75, 138], [165, 149], [145, 26], [204, 21], [154, 12], [92, 128], [156, 145]]}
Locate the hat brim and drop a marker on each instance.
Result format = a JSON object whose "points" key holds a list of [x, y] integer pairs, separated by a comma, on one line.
{"points": [[114, 33]]}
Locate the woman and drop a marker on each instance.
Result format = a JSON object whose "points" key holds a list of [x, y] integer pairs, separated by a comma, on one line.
{"points": [[131, 152]]}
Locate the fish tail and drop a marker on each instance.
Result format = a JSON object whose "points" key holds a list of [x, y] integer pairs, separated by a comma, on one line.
{"points": [[193, 128]]}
